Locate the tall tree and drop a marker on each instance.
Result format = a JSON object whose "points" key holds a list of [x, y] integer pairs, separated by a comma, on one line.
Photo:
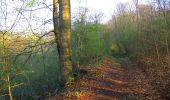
{"points": [[62, 29], [65, 38], [56, 33]]}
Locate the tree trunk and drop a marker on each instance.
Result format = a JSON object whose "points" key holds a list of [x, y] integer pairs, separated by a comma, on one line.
{"points": [[62, 30], [65, 38]]}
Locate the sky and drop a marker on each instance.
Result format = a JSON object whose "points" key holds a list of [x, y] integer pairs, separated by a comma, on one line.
{"points": [[107, 7], [28, 20]]}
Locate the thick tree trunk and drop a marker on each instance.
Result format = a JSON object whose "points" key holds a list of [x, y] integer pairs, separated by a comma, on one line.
{"points": [[65, 38], [62, 29]]}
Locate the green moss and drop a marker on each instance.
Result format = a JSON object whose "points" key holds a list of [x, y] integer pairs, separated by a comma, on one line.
{"points": [[72, 78], [116, 49], [77, 93]]}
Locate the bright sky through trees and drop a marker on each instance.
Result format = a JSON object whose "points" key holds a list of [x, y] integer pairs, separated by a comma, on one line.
{"points": [[107, 6], [41, 19]]}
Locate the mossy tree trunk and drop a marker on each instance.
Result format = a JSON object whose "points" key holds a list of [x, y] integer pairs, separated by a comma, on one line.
{"points": [[62, 29]]}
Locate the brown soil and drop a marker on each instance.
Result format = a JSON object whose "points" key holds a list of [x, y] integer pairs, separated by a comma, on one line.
{"points": [[110, 81]]}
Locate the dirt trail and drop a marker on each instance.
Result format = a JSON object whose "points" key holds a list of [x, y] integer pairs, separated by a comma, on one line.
{"points": [[111, 81]]}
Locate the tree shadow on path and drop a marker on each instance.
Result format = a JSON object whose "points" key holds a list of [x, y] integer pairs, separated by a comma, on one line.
{"points": [[111, 81]]}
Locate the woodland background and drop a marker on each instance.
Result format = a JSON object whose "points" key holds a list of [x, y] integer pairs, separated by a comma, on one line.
{"points": [[29, 60]]}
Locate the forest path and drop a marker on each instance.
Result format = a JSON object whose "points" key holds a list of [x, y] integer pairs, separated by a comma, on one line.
{"points": [[111, 81]]}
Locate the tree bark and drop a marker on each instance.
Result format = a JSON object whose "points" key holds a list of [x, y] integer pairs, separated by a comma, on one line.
{"points": [[62, 30], [65, 38]]}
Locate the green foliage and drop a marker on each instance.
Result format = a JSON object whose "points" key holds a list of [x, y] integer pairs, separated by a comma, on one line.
{"points": [[33, 74], [147, 37], [72, 78], [31, 3], [78, 93], [88, 42], [42, 69], [115, 49], [125, 30]]}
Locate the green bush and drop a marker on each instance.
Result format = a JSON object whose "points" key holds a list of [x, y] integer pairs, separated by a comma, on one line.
{"points": [[88, 42]]}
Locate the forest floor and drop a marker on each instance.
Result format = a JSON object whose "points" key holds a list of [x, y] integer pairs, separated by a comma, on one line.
{"points": [[111, 81]]}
